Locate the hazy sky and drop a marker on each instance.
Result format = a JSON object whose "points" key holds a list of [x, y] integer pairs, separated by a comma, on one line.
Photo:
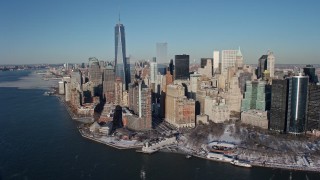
{"points": [[56, 31]]}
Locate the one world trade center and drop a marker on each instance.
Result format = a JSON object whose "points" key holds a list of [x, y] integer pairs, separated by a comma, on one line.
{"points": [[122, 68]]}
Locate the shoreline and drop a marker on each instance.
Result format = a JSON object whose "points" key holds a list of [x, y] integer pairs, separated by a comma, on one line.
{"points": [[106, 143], [73, 115], [254, 164]]}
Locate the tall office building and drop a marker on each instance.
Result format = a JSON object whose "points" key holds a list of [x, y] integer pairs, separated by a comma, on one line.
{"points": [[270, 63], [266, 62], [95, 75], [182, 63], [216, 60], [171, 67], [289, 104], [279, 105], [153, 70], [297, 112], [262, 66], [162, 52], [203, 62], [310, 71], [239, 59], [231, 58], [122, 67], [257, 96]]}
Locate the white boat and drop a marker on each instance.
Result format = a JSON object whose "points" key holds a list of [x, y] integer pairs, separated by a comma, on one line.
{"points": [[47, 93], [188, 156], [242, 164], [219, 157]]}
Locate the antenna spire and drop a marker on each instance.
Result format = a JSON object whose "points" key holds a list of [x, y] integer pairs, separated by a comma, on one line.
{"points": [[119, 18]]}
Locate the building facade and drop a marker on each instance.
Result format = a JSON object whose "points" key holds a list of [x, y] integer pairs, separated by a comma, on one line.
{"points": [[255, 117], [216, 109], [179, 111]]}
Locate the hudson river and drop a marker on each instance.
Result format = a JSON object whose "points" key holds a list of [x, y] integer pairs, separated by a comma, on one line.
{"points": [[38, 140]]}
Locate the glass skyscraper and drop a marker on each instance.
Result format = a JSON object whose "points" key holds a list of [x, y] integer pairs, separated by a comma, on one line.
{"points": [[122, 68], [181, 71], [310, 71], [298, 87]]}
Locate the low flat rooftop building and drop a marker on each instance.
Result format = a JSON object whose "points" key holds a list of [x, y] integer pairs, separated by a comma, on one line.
{"points": [[255, 117], [203, 118]]}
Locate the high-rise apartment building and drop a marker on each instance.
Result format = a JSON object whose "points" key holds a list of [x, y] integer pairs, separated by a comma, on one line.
{"points": [[122, 67], [182, 63], [179, 111], [140, 103], [162, 52]]}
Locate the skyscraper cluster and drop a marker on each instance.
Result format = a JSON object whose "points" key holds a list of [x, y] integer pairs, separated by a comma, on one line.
{"points": [[223, 87]]}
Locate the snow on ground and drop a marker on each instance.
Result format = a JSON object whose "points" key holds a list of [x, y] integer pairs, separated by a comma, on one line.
{"points": [[226, 136]]}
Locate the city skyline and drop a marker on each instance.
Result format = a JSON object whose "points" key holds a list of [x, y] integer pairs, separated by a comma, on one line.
{"points": [[56, 32]]}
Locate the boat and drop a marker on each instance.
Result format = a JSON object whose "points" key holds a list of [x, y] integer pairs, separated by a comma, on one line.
{"points": [[240, 163], [219, 157], [221, 147], [188, 156], [48, 93]]}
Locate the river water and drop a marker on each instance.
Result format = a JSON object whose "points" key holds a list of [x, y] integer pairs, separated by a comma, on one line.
{"points": [[39, 140]]}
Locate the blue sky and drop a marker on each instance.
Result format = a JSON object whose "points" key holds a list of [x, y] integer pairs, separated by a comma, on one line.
{"points": [[56, 31]]}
